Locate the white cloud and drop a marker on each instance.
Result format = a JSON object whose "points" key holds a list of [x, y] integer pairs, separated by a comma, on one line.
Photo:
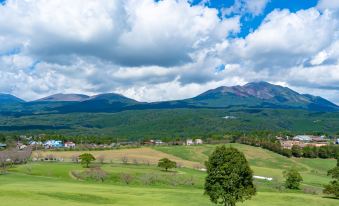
{"points": [[286, 39], [125, 32], [328, 4], [160, 51], [253, 7]]}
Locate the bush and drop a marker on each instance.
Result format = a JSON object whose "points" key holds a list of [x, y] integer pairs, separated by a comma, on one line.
{"points": [[124, 160], [166, 164], [126, 178], [149, 179], [293, 178]]}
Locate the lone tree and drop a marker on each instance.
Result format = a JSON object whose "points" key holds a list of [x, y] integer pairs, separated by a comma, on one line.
{"points": [[229, 177], [293, 178], [333, 187], [86, 159], [166, 164]]}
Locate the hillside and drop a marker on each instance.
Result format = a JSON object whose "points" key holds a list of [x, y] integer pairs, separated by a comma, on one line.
{"points": [[261, 95], [171, 123], [9, 99], [149, 185]]}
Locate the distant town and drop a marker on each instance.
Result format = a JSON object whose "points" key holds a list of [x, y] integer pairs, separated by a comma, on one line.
{"points": [[286, 142]]}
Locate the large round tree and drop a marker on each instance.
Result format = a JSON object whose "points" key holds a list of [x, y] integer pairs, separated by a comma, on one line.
{"points": [[229, 177], [86, 159]]}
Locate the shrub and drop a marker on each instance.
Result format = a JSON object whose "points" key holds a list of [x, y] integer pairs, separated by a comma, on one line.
{"points": [[166, 164], [126, 178], [293, 178]]}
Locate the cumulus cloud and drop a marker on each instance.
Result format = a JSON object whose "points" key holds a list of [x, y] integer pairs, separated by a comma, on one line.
{"points": [[328, 4], [160, 50], [106, 43], [253, 7], [285, 39], [129, 33]]}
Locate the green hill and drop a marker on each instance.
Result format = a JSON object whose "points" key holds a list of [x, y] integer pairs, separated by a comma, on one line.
{"points": [[44, 183]]}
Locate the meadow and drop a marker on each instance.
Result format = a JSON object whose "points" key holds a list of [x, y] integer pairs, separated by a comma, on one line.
{"points": [[52, 183]]}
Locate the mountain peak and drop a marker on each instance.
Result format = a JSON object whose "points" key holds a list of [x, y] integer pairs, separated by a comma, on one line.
{"points": [[262, 94], [259, 83]]}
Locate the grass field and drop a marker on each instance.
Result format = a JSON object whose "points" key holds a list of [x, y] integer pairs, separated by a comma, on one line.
{"points": [[48, 183], [142, 155]]}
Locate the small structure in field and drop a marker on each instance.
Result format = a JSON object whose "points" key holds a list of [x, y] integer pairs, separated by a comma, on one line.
{"points": [[70, 145], [158, 142], [189, 142], [263, 178], [198, 141]]}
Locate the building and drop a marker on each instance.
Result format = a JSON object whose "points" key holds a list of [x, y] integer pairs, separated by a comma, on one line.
{"points": [[318, 139], [53, 144], [158, 142], [21, 146], [189, 142], [288, 144], [198, 141], [303, 138], [35, 143], [69, 144]]}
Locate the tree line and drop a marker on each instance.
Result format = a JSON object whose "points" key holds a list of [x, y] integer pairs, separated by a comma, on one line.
{"points": [[329, 151]]}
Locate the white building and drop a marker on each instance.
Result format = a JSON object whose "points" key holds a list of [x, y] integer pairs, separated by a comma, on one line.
{"points": [[304, 138], [198, 141], [189, 142], [158, 142], [69, 144]]}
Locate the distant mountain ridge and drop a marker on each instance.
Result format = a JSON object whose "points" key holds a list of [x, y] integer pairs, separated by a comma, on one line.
{"points": [[9, 99], [251, 95], [64, 98], [261, 94]]}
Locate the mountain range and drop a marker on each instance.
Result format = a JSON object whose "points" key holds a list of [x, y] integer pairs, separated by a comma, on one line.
{"points": [[251, 95]]}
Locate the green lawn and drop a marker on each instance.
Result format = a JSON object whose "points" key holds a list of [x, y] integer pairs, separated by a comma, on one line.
{"points": [[20, 189], [51, 184]]}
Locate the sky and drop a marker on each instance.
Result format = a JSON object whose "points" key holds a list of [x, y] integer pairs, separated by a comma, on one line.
{"points": [[156, 50]]}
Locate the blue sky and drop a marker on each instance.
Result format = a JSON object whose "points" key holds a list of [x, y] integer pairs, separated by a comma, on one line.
{"points": [[250, 22], [169, 49]]}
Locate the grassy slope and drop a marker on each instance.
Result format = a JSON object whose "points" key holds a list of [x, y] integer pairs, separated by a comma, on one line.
{"points": [[263, 162], [41, 184]]}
